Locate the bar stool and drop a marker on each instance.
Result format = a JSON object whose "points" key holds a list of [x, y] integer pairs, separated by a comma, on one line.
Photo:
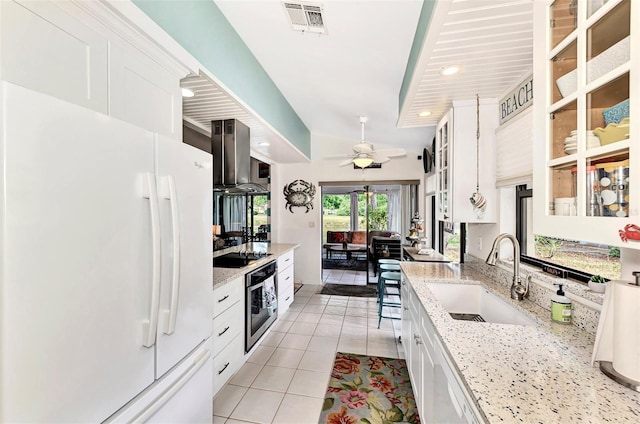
{"points": [[385, 261], [387, 278], [389, 267]]}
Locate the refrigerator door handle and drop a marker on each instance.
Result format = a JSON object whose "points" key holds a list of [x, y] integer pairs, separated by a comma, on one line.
{"points": [[150, 326], [157, 403], [168, 188]]}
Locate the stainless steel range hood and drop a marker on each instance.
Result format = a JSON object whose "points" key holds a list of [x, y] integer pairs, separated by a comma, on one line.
{"points": [[230, 140]]}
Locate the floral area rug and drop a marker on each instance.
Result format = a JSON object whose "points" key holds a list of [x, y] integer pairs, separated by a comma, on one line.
{"points": [[369, 390]]}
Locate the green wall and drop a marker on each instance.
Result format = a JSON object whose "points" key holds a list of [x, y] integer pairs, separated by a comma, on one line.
{"points": [[416, 47], [201, 28]]}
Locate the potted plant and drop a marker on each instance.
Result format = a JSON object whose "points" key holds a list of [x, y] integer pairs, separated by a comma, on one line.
{"points": [[597, 283]]}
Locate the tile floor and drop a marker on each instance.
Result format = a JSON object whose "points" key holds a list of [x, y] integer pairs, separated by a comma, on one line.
{"points": [[344, 276], [285, 379]]}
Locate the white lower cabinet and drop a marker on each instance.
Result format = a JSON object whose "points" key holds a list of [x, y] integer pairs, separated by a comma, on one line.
{"points": [[439, 391], [285, 281], [228, 331]]}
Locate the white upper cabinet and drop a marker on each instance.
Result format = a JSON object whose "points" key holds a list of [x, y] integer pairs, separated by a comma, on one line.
{"points": [[585, 144], [461, 162], [86, 54], [46, 50], [144, 93]]}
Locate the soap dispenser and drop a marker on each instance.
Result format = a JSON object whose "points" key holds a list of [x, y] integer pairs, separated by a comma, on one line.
{"points": [[560, 307]]}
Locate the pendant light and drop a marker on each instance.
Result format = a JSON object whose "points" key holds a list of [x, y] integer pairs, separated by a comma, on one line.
{"points": [[477, 200]]}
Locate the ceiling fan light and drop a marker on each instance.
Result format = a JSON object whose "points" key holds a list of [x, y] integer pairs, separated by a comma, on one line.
{"points": [[362, 162]]}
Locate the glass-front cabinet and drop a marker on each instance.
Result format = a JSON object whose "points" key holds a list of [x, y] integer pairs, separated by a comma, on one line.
{"points": [[585, 141], [443, 168]]}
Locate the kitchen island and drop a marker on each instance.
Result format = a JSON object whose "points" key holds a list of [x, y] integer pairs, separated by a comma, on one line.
{"points": [[538, 373]]}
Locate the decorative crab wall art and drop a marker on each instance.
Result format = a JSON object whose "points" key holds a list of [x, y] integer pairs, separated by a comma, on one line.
{"points": [[299, 194]]}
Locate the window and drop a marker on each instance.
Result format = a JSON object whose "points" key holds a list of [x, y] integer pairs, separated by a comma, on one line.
{"points": [[452, 240], [337, 213], [580, 259]]}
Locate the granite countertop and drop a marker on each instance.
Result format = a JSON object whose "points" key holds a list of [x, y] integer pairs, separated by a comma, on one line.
{"points": [[222, 276], [434, 257], [529, 374]]}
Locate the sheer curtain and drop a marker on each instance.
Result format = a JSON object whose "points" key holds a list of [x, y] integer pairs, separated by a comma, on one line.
{"points": [[394, 218], [234, 212]]}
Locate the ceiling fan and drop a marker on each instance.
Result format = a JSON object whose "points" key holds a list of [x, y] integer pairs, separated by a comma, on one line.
{"points": [[364, 154]]}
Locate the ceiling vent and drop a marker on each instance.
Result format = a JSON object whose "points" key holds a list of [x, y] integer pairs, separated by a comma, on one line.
{"points": [[306, 17]]}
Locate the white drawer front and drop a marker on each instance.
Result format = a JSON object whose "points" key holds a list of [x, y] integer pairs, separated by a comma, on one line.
{"points": [[285, 279], [227, 295], [226, 326], [285, 260], [285, 298], [227, 362]]}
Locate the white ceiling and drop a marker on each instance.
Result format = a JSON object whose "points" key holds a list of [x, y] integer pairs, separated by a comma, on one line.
{"points": [[357, 68]]}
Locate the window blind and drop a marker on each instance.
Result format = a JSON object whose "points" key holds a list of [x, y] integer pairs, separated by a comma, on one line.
{"points": [[514, 150]]}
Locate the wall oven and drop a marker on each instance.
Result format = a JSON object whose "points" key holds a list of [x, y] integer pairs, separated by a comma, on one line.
{"points": [[261, 302]]}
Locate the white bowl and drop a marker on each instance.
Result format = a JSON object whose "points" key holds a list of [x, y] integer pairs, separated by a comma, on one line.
{"points": [[597, 287]]}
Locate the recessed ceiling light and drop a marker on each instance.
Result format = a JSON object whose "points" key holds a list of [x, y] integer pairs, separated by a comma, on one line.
{"points": [[424, 113], [187, 93], [264, 143], [450, 70]]}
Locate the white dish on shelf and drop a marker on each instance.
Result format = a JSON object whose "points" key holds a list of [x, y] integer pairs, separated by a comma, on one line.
{"points": [[609, 59]]}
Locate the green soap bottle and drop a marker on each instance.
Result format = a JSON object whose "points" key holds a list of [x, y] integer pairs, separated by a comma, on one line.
{"points": [[561, 307]]}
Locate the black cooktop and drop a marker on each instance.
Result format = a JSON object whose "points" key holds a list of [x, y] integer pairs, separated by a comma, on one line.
{"points": [[238, 259]]}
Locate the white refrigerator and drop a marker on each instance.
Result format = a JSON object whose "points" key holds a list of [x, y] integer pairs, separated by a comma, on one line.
{"points": [[105, 268]]}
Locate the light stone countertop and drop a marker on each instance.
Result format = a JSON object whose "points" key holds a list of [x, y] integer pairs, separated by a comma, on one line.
{"points": [[221, 276], [528, 374], [434, 257]]}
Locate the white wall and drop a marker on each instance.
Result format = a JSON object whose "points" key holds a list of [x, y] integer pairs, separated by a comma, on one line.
{"points": [[306, 228]]}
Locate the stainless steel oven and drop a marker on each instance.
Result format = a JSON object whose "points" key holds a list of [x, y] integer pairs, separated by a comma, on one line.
{"points": [[261, 302]]}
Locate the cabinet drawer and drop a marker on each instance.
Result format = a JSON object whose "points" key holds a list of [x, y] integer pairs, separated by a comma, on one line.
{"points": [[226, 326], [285, 298], [227, 362], [227, 295], [285, 260], [285, 279]]}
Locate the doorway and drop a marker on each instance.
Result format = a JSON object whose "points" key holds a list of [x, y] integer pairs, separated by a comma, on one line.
{"points": [[351, 216]]}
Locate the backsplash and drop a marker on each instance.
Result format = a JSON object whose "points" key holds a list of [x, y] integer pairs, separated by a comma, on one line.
{"points": [[586, 304]]}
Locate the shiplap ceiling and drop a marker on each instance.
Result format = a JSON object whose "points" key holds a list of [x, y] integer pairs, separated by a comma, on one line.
{"points": [[357, 69], [211, 102], [491, 39]]}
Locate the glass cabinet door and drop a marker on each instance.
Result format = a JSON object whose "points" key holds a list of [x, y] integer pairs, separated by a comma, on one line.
{"points": [[588, 144], [443, 168]]}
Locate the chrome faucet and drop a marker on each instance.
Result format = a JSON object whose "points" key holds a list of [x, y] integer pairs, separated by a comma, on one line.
{"points": [[518, 291]]}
